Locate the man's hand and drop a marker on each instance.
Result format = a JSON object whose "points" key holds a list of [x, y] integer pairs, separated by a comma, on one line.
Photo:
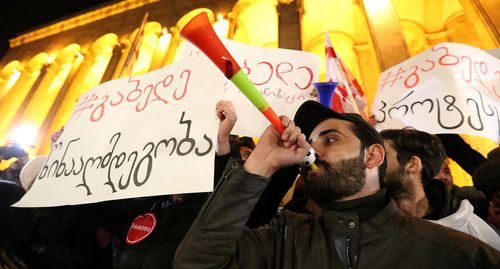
{"points": [[228, 118], [275, 151]]}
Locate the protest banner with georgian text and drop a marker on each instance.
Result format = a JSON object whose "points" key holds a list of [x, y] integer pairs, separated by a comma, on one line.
{"points": [[134, 137], [155, 134], [450, 88], [284, 77]]}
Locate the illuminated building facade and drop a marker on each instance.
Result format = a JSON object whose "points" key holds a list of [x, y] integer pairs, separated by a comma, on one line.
{"points": [[45, 71]]}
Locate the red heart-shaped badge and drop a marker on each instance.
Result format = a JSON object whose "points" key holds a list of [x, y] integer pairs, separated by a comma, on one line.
{"points": [[141, 227]]}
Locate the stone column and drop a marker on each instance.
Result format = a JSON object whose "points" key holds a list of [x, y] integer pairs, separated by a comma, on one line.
{"points": [[289, 24], [485, 17], [386, 32]]}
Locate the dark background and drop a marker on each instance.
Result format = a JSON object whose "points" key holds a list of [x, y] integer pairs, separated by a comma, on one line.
{"points": [[21, 16]]}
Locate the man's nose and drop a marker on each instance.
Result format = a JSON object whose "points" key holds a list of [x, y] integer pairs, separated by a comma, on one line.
{"points": [[317, 150]]}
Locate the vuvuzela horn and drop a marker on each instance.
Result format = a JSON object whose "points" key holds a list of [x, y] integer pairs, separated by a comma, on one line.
{"points": [[200, 32], [325, 92]]}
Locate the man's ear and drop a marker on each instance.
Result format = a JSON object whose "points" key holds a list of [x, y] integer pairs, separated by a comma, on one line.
{"points": [[414, 165], [375, 156]]}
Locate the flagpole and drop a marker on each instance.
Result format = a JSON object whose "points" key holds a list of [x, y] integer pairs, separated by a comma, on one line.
{"points": [[129, 61]]}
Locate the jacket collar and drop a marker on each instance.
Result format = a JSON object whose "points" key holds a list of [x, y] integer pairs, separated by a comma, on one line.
{"points": [[383, 225], [379, 216], [365, 208]]}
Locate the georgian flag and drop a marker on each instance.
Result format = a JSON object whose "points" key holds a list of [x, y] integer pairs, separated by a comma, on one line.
{"points": [[337, 71]]}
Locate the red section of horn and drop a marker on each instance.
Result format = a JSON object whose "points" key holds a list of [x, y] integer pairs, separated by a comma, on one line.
{"points": [[200, 32]]}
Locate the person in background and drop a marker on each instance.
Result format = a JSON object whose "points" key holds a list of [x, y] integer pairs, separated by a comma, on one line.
{"points": [[358, 226], [11, 189], [445, 175], [52, 237], [246, 146], [10, 193], [494, 211], [487, 177], [474, 196], [414, 158], [8, 152], [241, 147], [494, 154], [468, 159], [461, 152]]}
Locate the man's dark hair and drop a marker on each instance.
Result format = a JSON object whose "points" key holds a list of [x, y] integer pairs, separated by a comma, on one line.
{"points": [[238, 142], [486, 178], [494, 154], [409, 142], [246, 141], [312, 113]]}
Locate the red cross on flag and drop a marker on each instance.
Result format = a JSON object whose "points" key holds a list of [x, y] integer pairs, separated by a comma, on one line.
{"points": [[349, 90]]}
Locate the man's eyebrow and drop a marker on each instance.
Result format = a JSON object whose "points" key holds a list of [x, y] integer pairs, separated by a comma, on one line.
{"points": [[326, 132]]}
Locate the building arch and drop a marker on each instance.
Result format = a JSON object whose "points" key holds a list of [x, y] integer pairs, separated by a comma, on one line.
{"points": [[415, 36], [461, 31], [257, 23], [349, 34]]}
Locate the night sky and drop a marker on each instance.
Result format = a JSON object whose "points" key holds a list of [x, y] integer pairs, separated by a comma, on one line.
{"points": [[19, 16]]}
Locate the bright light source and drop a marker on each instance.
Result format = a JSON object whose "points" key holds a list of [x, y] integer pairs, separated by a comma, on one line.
{"points": [[50, 59], [13, 78], [221, 27], [377, 7], [164, 31], [24, 134], [164, 41]]}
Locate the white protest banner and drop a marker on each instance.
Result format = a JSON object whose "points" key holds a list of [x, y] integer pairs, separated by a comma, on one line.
{"points": [[134, 137], [450, 88], [284, 77], [141, 136]]}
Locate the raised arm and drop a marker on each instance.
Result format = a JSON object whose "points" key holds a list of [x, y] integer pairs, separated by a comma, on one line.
{"points": [[227, 119], [461, 152], [218, 238]]}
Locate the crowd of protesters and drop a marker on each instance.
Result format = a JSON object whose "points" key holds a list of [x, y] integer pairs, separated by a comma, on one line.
{"points": [[375, 200]]}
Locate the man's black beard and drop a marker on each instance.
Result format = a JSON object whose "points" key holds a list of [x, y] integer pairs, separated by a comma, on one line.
{"points": [[397, 185], [341, 179]]}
